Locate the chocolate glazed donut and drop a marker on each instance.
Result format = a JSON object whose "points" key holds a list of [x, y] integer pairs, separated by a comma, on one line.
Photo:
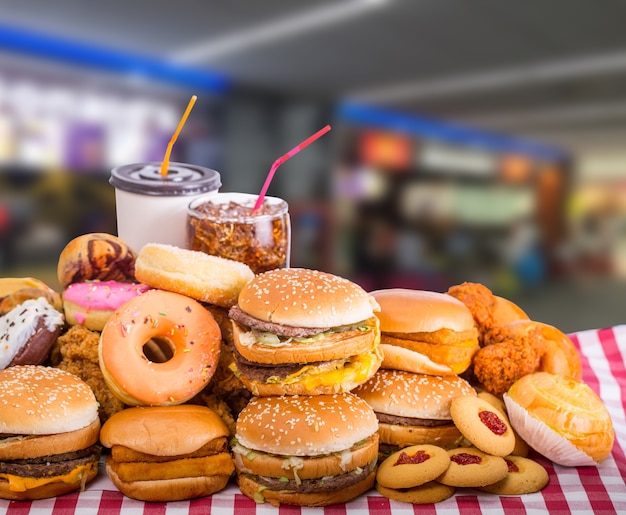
{"points": [[96, 257]]}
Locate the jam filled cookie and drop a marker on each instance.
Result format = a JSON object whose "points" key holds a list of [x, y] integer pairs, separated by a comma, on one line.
{"points": [[483, 425], [525, 476], [427, 493], [412, 466], [470, 467]]}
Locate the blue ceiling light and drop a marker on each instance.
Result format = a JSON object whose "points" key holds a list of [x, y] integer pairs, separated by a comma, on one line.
{"points": [[82, 54], [445, 132]]}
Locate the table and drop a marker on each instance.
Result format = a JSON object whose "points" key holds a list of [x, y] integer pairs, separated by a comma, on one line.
{"points": [[599, 490]]}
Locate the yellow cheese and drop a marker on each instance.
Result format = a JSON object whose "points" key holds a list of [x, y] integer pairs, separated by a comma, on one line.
{"points": [[22, 484]]}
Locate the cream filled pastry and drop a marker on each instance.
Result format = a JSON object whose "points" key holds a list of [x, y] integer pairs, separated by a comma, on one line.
{"points": [[27, 333], [91, 303]]}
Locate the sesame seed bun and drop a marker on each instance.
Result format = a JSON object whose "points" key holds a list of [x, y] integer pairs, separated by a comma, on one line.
{"points": [[435, 325], [305, 298], [306, 450], [305, 425], [39, 400], [55, 415]]}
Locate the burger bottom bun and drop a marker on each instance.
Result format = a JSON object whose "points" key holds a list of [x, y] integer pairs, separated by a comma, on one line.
{"points": [[164, 490], [312, 467], [250, 488], [400, 358], [48, 490], [447, 436], [47, 445], [456, 356]]}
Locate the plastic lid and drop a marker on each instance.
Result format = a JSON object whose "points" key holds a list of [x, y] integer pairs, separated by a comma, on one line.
{"points": [[181, 179]]}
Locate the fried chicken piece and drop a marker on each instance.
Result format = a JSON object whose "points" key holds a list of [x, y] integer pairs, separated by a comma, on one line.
{"points": [[76, 351], [480, 301], [499, 365]]}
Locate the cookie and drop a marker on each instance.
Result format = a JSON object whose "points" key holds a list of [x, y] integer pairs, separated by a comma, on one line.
{"points": [[525, 476], [427, 493], [412, 466], [521, 447], [492, 399], [485, 426], [470, 467]]}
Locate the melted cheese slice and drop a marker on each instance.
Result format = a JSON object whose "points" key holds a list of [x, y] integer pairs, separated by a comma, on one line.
{"points": [[22, 484]]}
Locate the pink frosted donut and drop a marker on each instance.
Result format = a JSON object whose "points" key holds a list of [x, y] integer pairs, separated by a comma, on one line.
{"points": [[92, 303]]}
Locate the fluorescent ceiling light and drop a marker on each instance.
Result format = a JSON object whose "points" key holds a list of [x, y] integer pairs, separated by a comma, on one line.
{"points": [[546, 116], [277, 29], [496, 79]]}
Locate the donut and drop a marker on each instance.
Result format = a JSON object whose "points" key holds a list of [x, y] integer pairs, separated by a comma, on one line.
{"points": [[96, 256], [28, 332], [15, 290], [206, 278], [525, 476], [471, 468], [159, 348], [92, 303], [484, 425]]}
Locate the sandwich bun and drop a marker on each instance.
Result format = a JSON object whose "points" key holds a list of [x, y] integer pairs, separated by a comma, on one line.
{"points": [[435, 325], [167, 453], [561, 418]]}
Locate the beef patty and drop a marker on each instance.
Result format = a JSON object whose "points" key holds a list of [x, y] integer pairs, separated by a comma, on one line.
{"points": [[50, 466]]}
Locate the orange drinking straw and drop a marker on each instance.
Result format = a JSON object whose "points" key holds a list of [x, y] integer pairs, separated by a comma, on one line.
{"points": [[166, 160], [282, 159]]}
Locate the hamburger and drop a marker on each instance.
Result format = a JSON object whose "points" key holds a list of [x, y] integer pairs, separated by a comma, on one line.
{"points": [[425, 332], [167, 453], [306, 450], [49, 430], [414, 409], [304, 332]]}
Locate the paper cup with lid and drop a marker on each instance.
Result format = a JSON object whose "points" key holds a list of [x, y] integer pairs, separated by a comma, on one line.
{"points": [[152, 207]]}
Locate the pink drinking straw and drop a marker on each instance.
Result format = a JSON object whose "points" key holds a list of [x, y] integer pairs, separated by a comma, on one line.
{"points": [[282, 159]]}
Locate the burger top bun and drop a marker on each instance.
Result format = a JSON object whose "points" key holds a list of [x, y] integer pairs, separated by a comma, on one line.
{"points": [[163, 430], [40, 400], [305, 425], [406, 394], [419, 311], [561, 418], [305, 298]]}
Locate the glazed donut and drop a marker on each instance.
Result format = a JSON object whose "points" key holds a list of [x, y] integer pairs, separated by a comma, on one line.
{"points": [[92, 303], [96, 256], [206, 278], [28, 332], [15, 290], [160, 348]]}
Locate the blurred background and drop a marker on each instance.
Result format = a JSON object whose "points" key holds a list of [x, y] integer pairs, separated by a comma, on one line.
{"points": [[471, 141]]}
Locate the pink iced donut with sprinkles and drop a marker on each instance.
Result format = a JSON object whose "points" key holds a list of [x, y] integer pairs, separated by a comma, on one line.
{"points": [[91, 303], [159, 349]]}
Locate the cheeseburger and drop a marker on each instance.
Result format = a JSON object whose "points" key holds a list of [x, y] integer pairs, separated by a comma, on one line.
{"points": [[306, 450], [414, 409], [49, 430], [425, 332], [167, 453], [299, 331]]}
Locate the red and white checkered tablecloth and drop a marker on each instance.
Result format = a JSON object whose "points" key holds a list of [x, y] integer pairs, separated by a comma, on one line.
{"points": [[599, 490]]}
